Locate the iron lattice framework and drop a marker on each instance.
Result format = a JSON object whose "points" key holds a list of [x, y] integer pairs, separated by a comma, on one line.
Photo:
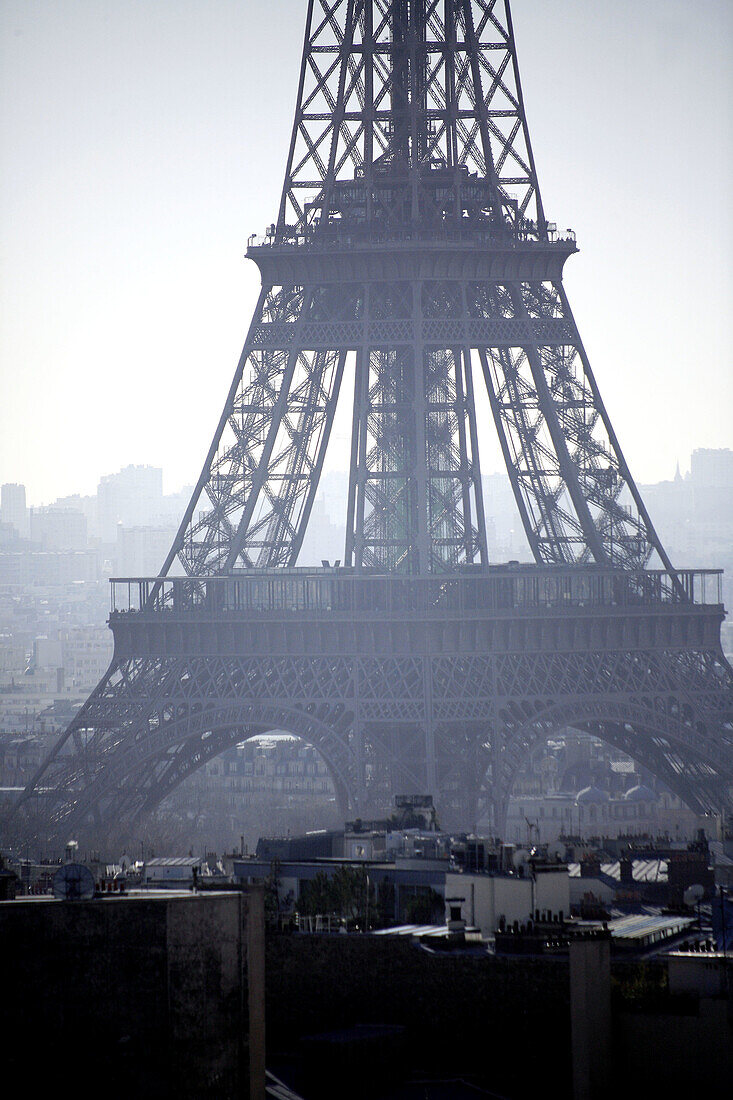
{"points": [[411, 234], [411, 247]]}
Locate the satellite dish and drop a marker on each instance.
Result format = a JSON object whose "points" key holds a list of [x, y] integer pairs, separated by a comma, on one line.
{"points": [[73, 882], [693, 894]]}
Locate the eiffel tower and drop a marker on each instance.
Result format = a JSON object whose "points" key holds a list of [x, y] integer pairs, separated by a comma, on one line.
{"points": [[411, 252]]}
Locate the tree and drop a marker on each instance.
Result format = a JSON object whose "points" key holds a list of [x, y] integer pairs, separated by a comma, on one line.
{"points": [[272, 893], [425, 906], [348, 893]]}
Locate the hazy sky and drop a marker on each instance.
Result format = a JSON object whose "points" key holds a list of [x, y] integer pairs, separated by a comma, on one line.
{"points": [[142, 141]]}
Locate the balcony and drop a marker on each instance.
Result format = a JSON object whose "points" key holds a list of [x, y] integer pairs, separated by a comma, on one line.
{"points": [[329, 592]]}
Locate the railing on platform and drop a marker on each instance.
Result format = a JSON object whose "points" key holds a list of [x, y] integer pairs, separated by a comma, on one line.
{"points": [[358, 237], [345, 592]]}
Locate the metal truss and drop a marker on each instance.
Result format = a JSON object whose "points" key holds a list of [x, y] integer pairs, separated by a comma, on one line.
{"points": [[575, 493], [414, 500], [411, 241], [392, 90], [459, 724], [255, 493]]}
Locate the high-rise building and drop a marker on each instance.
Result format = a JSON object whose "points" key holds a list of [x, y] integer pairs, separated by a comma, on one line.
{"points": [[141, 550], [13, 509], [712, 467], [132, 497], [711, 479], [59, 528]]}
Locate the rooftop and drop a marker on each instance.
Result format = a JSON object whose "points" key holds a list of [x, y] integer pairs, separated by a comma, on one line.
{"points": [[643, 930], [642, 870], [173, 861]]}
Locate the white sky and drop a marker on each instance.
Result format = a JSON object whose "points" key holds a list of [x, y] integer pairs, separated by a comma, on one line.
{"points": [[142, 141]]}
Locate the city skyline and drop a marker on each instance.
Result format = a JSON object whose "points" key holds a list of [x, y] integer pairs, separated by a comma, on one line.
{"points": [[130, 144], [176, 489]]}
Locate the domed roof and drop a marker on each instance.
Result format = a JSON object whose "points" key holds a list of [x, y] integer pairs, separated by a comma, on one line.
{"points": [[591, 794], [640, 793]]}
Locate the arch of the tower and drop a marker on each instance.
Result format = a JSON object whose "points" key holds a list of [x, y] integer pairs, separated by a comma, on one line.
{"points": [[151, 723], [140, 773], [671, 748], [193, 754], [475, 770], [223, 728]]}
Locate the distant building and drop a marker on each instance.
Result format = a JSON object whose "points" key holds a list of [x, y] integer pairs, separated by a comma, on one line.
{"points": [[86, 653], [712, 467], [58, 528], [484, 897], [12, 653], [29, 704], [324, 538], [132, 497], [711, 482], [141, 551], [47, 653], [13, 508], [269, 764], [9, 537], [592, 812], [172, 872], [20, 756], [73, 659], [87, 505], [50, 567], [504, 530]]}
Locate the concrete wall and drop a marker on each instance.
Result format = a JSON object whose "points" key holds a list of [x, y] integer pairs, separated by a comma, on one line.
{"points": [[710, 975], [489, 897], [590, 1018], [674, 1055], [552, 891], [579, 887], [506, 1023], [147, 994]]}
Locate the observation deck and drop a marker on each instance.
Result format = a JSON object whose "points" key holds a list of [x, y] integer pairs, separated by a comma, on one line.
{"points": [[341, 611], [351, 254]]}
